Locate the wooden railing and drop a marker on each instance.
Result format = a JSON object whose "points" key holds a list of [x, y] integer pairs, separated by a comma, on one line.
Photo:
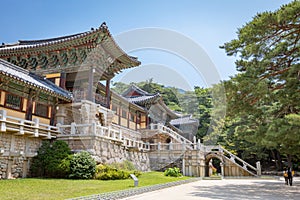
{"points": [[26, 127]]}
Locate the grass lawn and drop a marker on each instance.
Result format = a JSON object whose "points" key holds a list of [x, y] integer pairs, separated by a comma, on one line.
{"points": [[32, 188]]}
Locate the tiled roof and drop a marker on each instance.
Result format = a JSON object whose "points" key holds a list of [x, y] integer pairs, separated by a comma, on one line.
{"points": [[187, 119], [143, 99], [134, 88], [32, 80], [25, 47]]}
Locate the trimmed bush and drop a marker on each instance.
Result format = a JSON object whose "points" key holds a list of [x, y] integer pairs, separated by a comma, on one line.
{"points": [[82, 166], [49, 161], [174, 172]]}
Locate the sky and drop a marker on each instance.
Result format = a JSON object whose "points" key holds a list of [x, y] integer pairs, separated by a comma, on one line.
{"points": [[183, 37]]}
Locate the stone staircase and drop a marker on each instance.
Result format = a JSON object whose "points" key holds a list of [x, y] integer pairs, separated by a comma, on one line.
{"points": [[189, 145], [173, 134], [229, 157]]}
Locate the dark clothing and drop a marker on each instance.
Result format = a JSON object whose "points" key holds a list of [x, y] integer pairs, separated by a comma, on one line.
{"points": [[289, 178]]}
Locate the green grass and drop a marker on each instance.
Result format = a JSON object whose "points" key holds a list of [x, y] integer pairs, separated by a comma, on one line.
{"points": [[32, 188]]}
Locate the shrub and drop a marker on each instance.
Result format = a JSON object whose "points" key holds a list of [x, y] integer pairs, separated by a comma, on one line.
{"points": [[82, 166], [48, 162], [174, 172], [116, 171]]}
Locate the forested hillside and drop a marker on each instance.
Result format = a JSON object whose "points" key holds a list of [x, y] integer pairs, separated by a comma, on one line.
{"points": [[197, 102]]}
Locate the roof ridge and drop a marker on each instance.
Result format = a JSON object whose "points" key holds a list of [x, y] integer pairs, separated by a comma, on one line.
{"points": [[54, 39], [30, 42]]}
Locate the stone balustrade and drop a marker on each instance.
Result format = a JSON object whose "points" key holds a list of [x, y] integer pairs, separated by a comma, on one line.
{"points": [[31, 128], [163, 129], [234, 159], [104, 132]]}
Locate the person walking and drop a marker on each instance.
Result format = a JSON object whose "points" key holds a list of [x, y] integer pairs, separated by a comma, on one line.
{"points": [[285, 175], [289, 176]]}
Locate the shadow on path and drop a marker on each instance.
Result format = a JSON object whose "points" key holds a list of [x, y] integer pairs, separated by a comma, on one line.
{"points": [[255, 190]]}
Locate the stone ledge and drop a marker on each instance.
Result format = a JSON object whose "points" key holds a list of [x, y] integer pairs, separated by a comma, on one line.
{"points": [[132, 192]]}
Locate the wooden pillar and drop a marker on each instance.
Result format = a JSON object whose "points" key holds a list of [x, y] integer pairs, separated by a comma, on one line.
{"points": [[29, 107], [128, 117], [107, 93], [90, 87], [136, 119], [119, 114], [147, 120], [53, 114], [62, 81]]}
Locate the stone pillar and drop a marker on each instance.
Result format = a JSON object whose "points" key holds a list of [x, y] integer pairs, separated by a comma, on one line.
{"points": [[25, 168], [61, 114], [222, 169], [258, 167], [8, 169]]}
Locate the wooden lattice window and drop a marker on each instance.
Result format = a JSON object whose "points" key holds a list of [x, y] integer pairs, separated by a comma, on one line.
{"points": [[41, 110], [13, 101]]}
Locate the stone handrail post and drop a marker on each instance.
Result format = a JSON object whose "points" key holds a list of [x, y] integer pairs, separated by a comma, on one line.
{"points": [[158, 146], [73, 128], [151, 126], [36, 126], [21, 129], [94, 128], [49, 132], [258, 167], [3, 118], [120, 134], [60, 129]]}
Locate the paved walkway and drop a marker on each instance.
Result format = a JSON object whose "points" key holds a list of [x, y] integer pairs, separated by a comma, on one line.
{"points": [[233, 189]]}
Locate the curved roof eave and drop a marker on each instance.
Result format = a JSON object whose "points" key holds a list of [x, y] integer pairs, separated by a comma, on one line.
{"points": [[69, 41], [33, 81]]}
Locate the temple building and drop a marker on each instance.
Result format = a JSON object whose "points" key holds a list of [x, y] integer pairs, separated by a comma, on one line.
{"points": [[59, 89], [27, 115]]}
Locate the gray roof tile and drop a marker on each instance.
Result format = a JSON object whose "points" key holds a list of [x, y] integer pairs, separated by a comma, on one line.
{"points": [[20, 74]]}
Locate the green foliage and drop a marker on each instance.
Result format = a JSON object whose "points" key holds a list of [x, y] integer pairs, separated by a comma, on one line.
{"points": [[263, 99], [50, 159], [82, 166], [125, 165], [116, 171], [204, 98], [198, 103], [174, 172]]}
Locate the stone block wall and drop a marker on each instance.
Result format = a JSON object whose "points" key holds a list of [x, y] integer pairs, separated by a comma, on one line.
{"points": [[106, 151], [16, 152]]}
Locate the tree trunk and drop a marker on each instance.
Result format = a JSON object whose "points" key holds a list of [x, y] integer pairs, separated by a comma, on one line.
{"points": [[275, 159], [289, 159], [279, 160]]}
